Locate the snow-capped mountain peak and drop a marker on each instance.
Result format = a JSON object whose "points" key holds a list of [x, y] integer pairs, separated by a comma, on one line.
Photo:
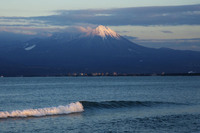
{"points": [[104, 31], [81, 32], [29, 46]]}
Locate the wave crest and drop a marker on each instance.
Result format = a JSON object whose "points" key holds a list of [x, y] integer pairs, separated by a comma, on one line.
{"points": [[71, 108], [121, 104]]}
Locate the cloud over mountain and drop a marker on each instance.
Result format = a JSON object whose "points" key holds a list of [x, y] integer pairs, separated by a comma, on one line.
{"points": [[159, 15], [163, 15], [65, 20]]}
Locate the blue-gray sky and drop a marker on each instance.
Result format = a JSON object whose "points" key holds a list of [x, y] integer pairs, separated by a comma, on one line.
{"points": [[41, 7], [152, 23]]}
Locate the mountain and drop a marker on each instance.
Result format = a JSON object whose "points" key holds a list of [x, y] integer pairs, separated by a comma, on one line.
{"points": [[98, 50]]}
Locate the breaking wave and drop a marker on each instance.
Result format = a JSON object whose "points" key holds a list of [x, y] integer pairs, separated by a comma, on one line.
{"points": [[79, 107], [71, 108]]}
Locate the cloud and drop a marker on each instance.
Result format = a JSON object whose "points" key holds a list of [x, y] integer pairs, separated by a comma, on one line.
{"points": [[32, 31], [130, 37], [45, 31], [163, 15], [180, 44], [166, 31], [144, 16]]}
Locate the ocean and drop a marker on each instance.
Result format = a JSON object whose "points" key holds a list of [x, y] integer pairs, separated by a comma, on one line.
{"points": [[150, 104]]}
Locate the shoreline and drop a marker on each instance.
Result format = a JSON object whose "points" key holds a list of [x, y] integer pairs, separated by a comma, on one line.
{"points": [[104, 75]]}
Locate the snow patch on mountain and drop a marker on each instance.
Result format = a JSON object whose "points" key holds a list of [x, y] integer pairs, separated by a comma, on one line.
{"points": [[129, 49], [29, 47]]}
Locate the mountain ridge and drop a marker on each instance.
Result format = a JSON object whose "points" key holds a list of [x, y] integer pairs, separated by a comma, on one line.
{"points": [[95, 50]]}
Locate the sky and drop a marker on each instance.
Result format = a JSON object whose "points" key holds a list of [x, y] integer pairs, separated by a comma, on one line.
{"points": [[152, 23]]}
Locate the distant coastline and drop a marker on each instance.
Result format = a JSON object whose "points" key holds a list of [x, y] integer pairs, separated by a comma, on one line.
{"points": [[104, 75]]}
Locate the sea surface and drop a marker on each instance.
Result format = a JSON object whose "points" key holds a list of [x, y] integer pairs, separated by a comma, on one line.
{"points": [[151, 104]]}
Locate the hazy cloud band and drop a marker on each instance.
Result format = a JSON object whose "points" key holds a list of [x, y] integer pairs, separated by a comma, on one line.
{"points": [[165, 15], [144, 16]]}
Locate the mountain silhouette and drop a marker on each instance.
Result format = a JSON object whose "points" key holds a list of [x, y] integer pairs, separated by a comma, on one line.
{"points": [[98, 50]]}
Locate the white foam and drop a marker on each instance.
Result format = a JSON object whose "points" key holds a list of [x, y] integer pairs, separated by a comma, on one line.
{"points": [[71, 108]]}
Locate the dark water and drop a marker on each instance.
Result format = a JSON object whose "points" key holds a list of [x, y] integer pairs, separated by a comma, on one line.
{"points": [[100, 104]]}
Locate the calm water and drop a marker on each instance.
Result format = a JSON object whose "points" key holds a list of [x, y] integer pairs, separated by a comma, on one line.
{"points": [[99, 104]]}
